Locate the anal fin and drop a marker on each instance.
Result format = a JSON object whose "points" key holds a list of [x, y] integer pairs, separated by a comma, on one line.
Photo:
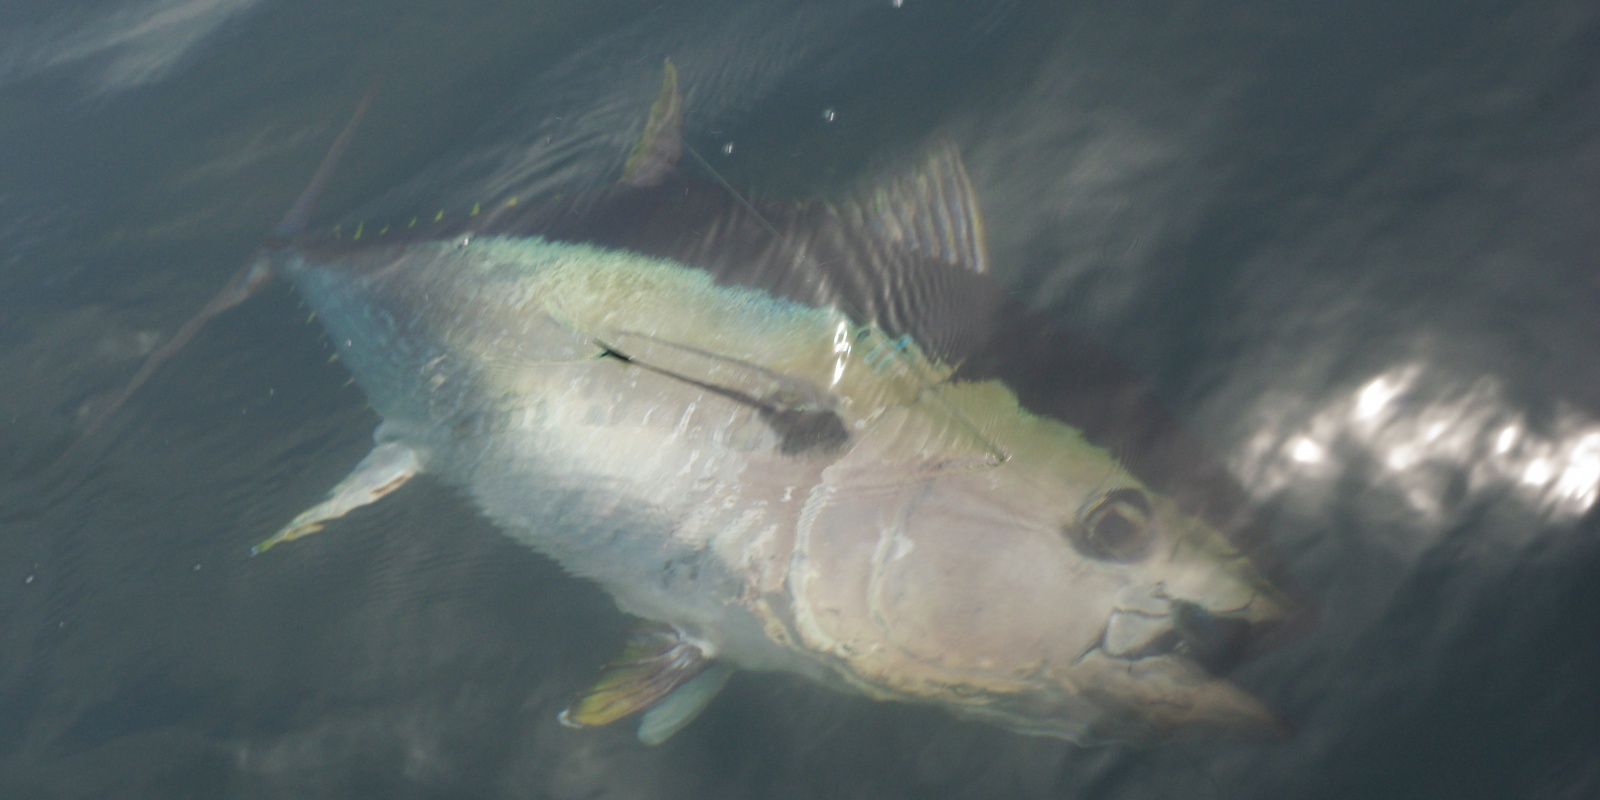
{"points": [[656, 661], [384, 470]]}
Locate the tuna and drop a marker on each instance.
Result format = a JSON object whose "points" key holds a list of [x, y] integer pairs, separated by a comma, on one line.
{"points": [[756, 425]]}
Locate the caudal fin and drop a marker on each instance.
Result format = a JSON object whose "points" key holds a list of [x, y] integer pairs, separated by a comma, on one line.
{"points": [[294, 222], [245, 283]]}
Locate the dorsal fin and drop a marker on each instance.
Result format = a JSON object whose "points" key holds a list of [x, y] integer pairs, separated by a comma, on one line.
{"points": [[656, 154], [930, 211], [906, 254]]}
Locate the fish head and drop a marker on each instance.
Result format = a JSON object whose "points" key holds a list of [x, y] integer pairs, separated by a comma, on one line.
{"points": [[1047, 590]]}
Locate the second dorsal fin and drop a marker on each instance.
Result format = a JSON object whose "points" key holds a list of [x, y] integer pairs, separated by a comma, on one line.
{"points": [[656, 154]]}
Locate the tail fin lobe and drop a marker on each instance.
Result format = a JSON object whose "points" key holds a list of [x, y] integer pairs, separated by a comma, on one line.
{"points": [[294, 222], [244, 284]]}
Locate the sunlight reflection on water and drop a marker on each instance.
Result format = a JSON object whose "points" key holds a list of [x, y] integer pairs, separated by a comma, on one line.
{"points": [[1436, 438]]}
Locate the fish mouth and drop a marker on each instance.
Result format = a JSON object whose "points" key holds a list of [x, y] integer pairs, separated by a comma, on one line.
{"points": [[1153, 672], [1174, 681], [1214, 641], [1184, 655]]}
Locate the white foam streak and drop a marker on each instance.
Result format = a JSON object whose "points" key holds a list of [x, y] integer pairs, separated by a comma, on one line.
{"points": [[127, 49]]}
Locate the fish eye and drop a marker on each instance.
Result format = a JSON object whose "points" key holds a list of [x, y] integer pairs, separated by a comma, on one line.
{"points": [[1115, 527]]}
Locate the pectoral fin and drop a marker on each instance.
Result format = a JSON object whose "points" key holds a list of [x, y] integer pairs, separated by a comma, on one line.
{"points": [[656, 661], [799, 411], [717, 370], [384, 470], [682, 706]]}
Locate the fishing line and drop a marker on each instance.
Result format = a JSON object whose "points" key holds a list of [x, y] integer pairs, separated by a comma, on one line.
{"points": [[717, 176]]}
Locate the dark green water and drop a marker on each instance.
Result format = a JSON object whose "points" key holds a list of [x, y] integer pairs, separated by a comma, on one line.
{"points": [[1356, 246]]}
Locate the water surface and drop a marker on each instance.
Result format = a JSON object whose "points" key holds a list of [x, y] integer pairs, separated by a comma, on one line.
{"points": [[1353, 245]]}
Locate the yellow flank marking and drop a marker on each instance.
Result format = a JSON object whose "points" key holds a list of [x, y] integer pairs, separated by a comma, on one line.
{"points": [[474, 210], [438, 216], [333, 358]]}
